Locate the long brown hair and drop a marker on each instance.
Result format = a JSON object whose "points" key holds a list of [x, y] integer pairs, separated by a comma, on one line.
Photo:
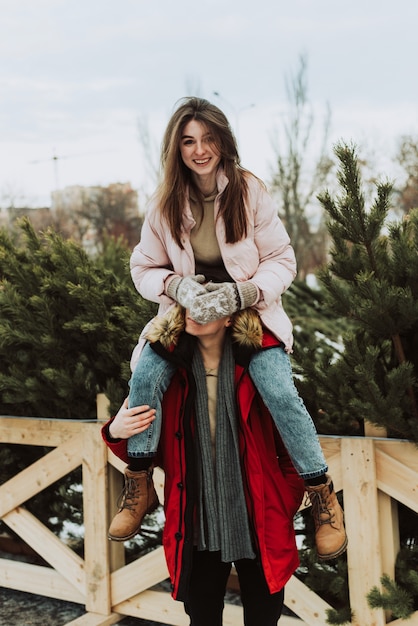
{"points": [[177, 177]]}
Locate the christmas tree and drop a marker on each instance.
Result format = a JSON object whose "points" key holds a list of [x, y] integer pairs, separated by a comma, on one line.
{"points": [[371, 286], [361, 363], [68, 324]]}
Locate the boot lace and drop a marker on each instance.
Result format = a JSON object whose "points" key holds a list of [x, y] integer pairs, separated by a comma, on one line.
{"points": [[322, 511], [130, 494]]}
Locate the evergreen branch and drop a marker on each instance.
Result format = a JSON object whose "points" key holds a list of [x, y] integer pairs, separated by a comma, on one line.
{"points": [[393, 598], [401, 359], [340, 617]]}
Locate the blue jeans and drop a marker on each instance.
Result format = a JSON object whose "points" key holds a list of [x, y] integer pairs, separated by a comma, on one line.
{"points": [[272, 375], [148, 383]]}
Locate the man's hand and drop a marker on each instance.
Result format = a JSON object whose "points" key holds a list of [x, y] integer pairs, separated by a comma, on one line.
{"points": [[129, 422]]}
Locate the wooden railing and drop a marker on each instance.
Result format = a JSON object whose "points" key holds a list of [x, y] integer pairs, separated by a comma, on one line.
{"points": [[374, 474]]}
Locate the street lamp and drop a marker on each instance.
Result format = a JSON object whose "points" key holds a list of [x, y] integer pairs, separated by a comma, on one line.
{"points": [[236, 112]]}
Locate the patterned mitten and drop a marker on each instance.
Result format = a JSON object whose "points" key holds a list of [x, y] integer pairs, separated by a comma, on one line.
{"points": [[223, 299], [185, 290]]}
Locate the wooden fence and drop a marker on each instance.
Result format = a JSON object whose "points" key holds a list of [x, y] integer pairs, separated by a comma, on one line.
{"points": [[374, 474]]}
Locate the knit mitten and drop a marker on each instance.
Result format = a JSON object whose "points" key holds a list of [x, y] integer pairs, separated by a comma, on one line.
{"points": [[185, 290], [223, 299]]}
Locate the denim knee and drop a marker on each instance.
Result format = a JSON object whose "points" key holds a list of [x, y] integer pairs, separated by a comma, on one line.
{"points": [[150, 378], [148, 384]]}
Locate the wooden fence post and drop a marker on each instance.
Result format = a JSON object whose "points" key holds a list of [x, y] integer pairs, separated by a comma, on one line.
{"points": [[114, 488], [388, 514], [96, 548], [362, 522]]}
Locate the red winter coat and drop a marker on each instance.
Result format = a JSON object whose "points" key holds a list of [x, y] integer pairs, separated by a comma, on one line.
{"points": [[273, 489]]}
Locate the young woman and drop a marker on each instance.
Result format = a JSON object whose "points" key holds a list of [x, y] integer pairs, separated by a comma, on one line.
{"points": [[212, 242], [231, 490]]}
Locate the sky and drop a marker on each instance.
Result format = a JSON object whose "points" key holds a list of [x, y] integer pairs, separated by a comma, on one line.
{"points": [[80, 78]]}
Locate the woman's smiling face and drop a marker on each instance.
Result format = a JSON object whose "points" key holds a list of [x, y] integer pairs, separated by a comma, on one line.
{"points": [[198, 150]]}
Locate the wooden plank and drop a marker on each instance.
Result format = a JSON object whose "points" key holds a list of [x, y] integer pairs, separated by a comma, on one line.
{"points": [[331, 447], [159, 480], [335, 471], [36, 431], [305, 603], [389, 532], [40, 474], [157, 606], [404, 451], [40, 580], [160, 607], [96, 543], [388, 512], [138, 576], [115, 461], [95, 619], [362, 523], [114, 488], [47, 545], [397, 480], [102, 407]]}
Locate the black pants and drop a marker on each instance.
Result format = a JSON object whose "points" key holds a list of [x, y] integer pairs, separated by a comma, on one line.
{"points": [[208, 585]]}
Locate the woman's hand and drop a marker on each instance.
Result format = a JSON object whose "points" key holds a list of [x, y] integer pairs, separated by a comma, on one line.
{"points": [[129, 422]]}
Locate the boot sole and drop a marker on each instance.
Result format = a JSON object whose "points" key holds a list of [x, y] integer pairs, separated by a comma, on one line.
{"points": [[136, 531], [334, 555]]}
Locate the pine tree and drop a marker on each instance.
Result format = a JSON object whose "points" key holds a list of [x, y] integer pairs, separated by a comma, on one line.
{"points": [[68, 324], [318, 335], [371, 282], [370, 371]]}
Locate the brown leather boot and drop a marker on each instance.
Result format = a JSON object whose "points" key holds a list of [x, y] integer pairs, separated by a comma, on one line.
{"points": [[330, 535], [137, 499]]}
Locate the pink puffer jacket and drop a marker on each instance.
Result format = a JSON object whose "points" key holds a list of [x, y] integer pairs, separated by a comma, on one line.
{"points": [[265, 257]]}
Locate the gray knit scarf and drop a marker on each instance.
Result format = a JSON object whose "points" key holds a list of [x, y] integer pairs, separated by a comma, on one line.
{"points": [[223, 517]]}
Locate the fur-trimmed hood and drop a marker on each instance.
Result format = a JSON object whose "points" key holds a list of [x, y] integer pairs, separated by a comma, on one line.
{"points": [[246, 328]]}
